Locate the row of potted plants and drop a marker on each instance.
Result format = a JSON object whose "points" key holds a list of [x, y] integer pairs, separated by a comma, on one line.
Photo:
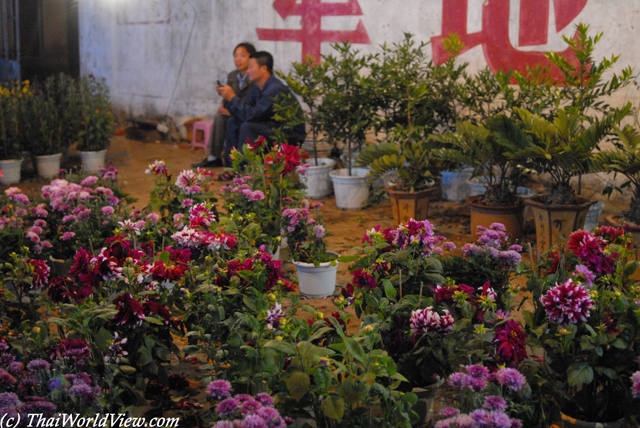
{"points": [[431, 118], [43, 119]]}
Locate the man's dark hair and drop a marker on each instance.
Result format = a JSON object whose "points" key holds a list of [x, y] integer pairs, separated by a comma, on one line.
{"points": [[248, 47], [264, 58]]}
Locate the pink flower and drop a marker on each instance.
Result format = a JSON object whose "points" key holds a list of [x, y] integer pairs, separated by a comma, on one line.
{"points": [[567, 303], [67, 235], [108, 210], [157, 168], [188, 180], [89, 181], [635, 389]]}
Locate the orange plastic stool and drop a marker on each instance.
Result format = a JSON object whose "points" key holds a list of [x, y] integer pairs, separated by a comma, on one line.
{"points": [[206, 127]]}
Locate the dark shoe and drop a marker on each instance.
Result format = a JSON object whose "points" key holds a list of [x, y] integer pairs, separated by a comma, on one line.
{"points": [[226, 176], [216, 163]]}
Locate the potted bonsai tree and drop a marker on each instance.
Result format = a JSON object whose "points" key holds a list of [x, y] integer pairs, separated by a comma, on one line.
{"points": [[347, 113], [486, 148], [96, 123], [305, 81], [563, 148]]}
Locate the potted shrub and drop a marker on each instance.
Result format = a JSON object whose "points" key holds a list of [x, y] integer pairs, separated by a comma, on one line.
{"points": [[305, 81], [10, 145], [316, 267], [584, 325], [486, 148], [414, 167], [563, 148], [46, 130], [96, 123], [346, 114], [624, 159]]}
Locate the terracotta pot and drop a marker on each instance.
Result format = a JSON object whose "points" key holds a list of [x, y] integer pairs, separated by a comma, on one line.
{"points": [[483, 215], [554, 222], [409, 205]]}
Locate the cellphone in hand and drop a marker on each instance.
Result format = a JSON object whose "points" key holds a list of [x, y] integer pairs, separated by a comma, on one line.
{"points": [[218, 82]]}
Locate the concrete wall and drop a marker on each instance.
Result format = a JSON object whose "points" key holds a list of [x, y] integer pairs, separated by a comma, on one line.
{"points": [[164, 56]]}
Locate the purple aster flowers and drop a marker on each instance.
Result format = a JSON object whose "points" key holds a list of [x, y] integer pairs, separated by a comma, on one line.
{"points": [[219, 389]]}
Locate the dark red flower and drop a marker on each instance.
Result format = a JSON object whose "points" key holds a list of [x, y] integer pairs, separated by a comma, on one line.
{"points": [[158, 309], [39, 273], [445, 293], [130, 311], [74, 349], [362, 279], [509, 340], [58, 291], [178, 382], [590, 250], [611, 325]]}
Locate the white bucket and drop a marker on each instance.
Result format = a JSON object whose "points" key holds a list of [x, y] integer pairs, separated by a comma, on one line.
{"points": [[48, 165], [317, 179], [352, 191], [11, 171], [454, 184], [593, 217], [317, 281], [93, 161]]}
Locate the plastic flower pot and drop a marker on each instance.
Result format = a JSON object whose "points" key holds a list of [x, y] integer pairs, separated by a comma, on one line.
{"points": [[11, 171], [48, 165], [93, 161], [317, 179], [317, 281], [351, 191]]}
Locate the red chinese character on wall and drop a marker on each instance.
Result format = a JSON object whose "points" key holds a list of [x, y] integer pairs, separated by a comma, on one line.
{"points": [[311, 35], [494, 36]]}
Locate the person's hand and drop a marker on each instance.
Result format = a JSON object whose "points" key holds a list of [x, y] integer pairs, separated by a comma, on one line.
{"points": [[223, 111], [226, 92]]}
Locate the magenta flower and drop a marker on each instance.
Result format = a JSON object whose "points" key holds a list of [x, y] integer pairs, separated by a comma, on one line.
{"points": [[219, 389], [67, 235], [157, 168], [567, 303], [227, 407], [635, 388]]}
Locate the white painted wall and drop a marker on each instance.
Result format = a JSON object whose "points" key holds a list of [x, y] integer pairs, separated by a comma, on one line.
{"points": [[164, 56]]}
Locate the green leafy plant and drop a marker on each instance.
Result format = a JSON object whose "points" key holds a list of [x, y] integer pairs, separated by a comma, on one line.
{"points": [[13, 101], [96, 120], [624, 159], [486, 148], [584, 324]]}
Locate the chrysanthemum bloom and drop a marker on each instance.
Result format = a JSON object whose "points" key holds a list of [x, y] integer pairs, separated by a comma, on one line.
{"points": [[459, 421], [6, 379], [264, 399], [429, 321], [130, 311], [509, 340], [254, 421], [511, 378], [249, 406], [38, 365], [220, 389], [494, 402], [567, 303], [477, 370]]}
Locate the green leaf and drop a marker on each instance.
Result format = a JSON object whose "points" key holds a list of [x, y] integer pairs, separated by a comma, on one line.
{"points": [[333, 407], [579, 374], [127, 369], [298, 384], [389, 289], [353, 390], [355, 349], [153, 320], [164, 256]]}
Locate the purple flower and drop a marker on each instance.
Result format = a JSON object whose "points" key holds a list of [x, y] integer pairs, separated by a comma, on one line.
{"points": [[477, 370], [225, 424], [243, 397], [6, 379], [459, 421], [510, 258], [89, 181], [273, 316], [635, 388], [318, 230], [46, 408], [583, 272], [476, 383], [511, 378], [38, 365], [264, 399], [567, 303], [227, 407], [494, 402], [459, 380], [249, 406], [254, 421], [8, 399], [219, 389]]}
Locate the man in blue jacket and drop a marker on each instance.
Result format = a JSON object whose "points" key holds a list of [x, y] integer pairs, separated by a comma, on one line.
{"points": [[252, 116]]}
